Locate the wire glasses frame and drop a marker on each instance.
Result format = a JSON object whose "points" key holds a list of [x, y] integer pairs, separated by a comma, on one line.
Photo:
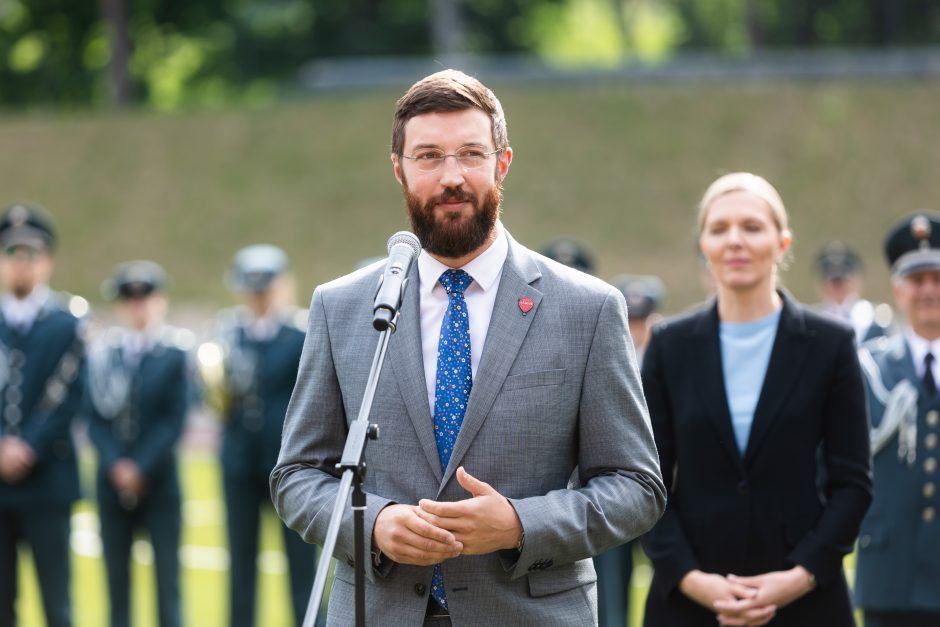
{"points": [[468, 159]]}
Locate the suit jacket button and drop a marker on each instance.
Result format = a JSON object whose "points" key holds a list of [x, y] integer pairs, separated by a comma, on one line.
{"points": [[420, 589], [743, 488], [864, 541]]}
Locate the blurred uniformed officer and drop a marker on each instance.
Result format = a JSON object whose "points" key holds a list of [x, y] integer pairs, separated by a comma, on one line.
{"points": [[898, 570], [261, 343], [839, 270], [137, 382], [644, 295], [41, 361], [570, 253]]}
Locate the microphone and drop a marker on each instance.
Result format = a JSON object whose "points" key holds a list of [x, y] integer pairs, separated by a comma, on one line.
{"points": [[403, 248]]}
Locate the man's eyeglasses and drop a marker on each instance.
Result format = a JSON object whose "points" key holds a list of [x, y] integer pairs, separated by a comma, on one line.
{"points": [[467, 158]]}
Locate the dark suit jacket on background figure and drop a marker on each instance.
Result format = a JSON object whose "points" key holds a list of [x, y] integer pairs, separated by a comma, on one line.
{"points": [[763, 512], [260, 377], [137, 410], [556, 389], [41, 386], [898, 566]]}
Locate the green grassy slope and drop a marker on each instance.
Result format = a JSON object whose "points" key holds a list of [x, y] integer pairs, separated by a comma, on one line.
{"points": [[619, 167]]}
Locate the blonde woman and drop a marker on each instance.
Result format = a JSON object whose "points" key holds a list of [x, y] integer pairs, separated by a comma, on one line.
{"points": [[758, 409]]}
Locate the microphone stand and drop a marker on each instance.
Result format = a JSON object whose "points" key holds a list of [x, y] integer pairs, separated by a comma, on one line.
{"points": [[353, 466]]}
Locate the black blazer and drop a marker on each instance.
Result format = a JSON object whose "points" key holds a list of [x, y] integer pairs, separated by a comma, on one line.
{"points": [[799, 492]]}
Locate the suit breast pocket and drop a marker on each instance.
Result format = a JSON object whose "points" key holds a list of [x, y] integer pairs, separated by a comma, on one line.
{"points": [[541, 378]]}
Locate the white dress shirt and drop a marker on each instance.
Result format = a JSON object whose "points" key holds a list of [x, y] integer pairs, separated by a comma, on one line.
{"points": [[264, 328], [20, 314], [486, 271], [135, 344], [919, 349]]}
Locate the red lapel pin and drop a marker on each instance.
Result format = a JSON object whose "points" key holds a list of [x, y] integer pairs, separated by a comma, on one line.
{"points": [[525, 305]]}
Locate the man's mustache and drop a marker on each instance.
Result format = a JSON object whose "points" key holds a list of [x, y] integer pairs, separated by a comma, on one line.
{"points": [[454, 193]]}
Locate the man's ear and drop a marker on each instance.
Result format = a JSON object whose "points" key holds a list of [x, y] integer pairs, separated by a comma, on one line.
{"points": [[396, 168], [502, 163]]}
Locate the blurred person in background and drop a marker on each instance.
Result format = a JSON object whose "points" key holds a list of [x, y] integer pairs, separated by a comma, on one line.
{"points": [[261, 342], [41, 366], [898, 571], [136, 408], [742, 394], [644, 295], [571, 253], [839, 270]]}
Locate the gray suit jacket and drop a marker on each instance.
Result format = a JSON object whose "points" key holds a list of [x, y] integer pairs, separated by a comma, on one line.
{"points": [[556, 422]]}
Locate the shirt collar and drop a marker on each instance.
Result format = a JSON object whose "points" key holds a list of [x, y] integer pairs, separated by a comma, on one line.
{"points": [[27, 308], [261, 329], [485, 268], [920, 347]]}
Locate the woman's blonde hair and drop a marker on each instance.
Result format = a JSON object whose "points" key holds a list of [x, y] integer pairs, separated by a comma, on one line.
{"points": [[744, 182]]}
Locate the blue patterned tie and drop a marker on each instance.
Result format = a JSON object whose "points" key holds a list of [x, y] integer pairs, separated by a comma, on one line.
{"points": [[452, 385]]}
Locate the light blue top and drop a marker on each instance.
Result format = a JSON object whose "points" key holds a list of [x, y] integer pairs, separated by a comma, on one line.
{"points": [[745, 353]]}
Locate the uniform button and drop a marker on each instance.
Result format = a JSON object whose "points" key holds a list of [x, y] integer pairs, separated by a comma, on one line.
{"points": [[864, 541], [930, 465], [930, 441], [929, 489], [933, 417], [929, 514], [743, 488], [420, 589]]}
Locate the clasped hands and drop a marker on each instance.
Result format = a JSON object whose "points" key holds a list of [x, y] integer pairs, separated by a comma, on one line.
{"points": [[127, 477], [746, 601], [434, 531], [17, 458]]}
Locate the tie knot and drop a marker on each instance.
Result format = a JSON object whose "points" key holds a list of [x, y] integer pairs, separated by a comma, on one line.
{"points": [[928, 359], [455, 282]]}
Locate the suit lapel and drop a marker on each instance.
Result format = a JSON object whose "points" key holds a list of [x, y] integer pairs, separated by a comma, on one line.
{"points": [[711, 381], [790, 349], [405, 344], [504, 337]]}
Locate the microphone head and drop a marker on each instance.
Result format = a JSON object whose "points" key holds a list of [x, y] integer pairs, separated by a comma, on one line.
{"points": [[408, 239]]}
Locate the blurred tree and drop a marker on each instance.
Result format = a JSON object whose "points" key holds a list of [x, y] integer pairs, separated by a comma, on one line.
{"points": [[41, 52], [171, 53], [115, 14], [447, 28]]}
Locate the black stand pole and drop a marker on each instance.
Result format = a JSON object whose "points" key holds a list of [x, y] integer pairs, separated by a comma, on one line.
{"points": [[353, 467]]}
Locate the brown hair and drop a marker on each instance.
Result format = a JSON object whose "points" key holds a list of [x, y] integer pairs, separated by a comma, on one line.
{"points": [[444, 91]]}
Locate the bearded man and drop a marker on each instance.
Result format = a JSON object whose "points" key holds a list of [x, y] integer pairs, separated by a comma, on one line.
{"points": [[515, 440]]}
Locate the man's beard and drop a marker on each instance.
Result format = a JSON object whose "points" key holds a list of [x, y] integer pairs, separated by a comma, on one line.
{"points": [[453, 237]]}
